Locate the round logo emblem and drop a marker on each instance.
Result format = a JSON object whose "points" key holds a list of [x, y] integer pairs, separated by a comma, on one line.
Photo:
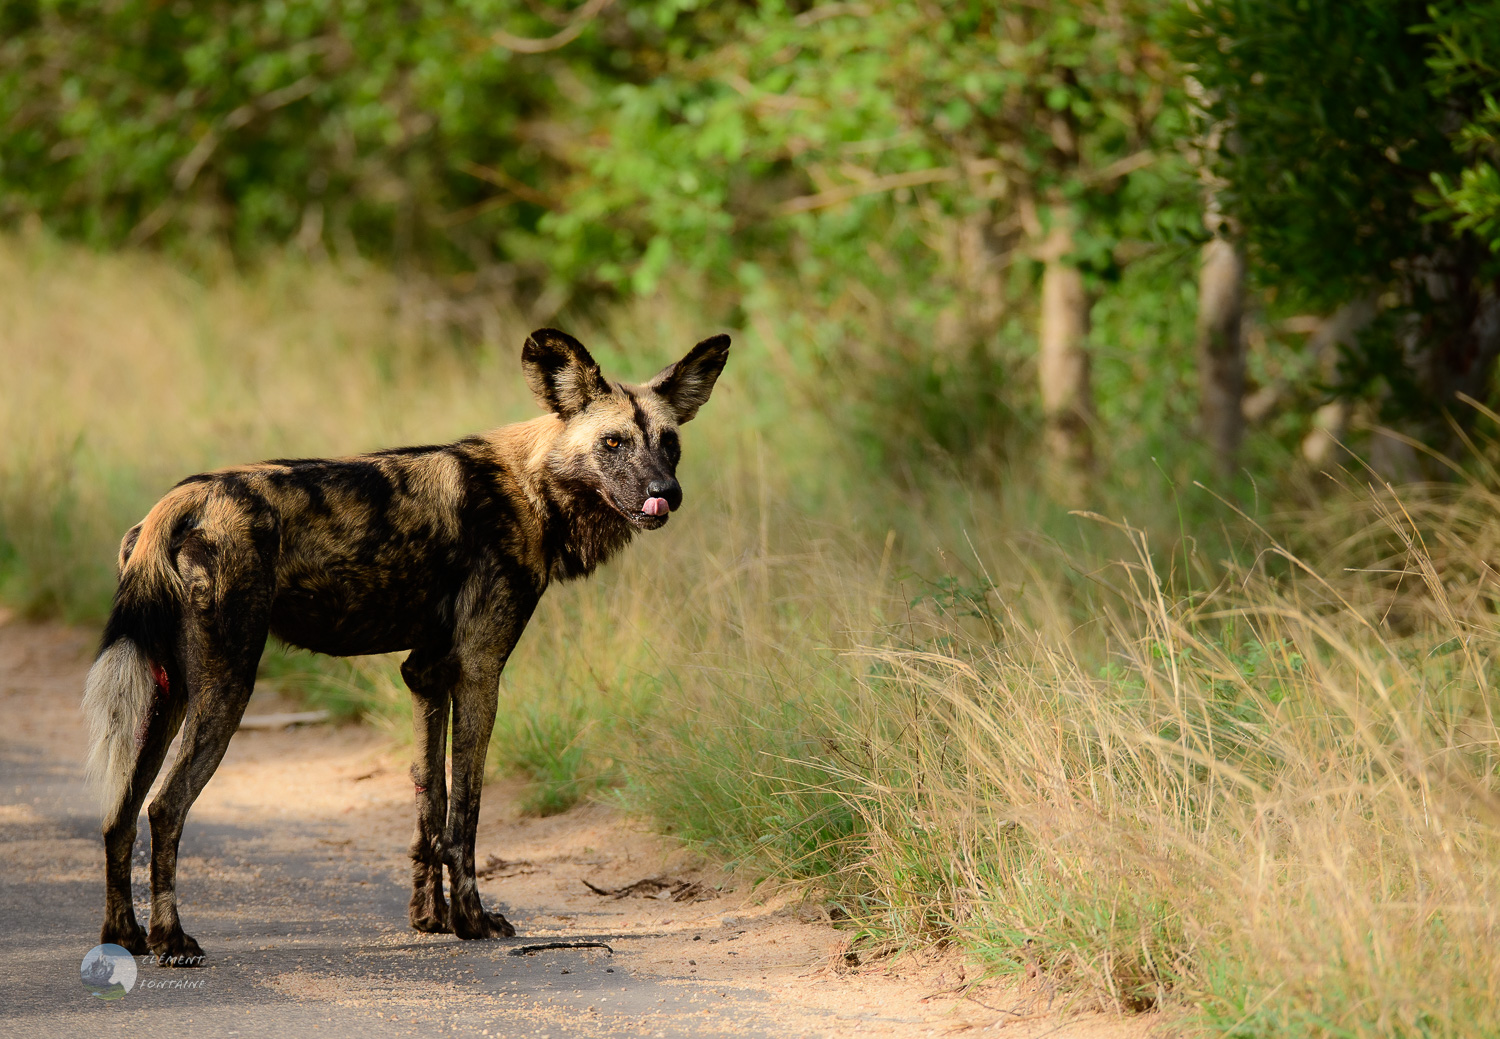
{"points": [[108, 971]]}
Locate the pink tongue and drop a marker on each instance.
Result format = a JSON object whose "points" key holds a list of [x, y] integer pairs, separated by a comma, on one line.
{"points": [[656, 507]]}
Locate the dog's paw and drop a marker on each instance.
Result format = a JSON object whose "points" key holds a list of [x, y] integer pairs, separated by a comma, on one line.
{"points": [[483, 925], [128, 935], [498, 926], [431, 923], [429, 914], [176, 949]]}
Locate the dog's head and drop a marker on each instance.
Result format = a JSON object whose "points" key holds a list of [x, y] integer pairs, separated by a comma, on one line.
{"points": [[620, 441]]}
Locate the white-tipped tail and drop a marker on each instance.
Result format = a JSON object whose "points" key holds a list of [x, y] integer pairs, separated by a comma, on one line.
{"points": [[115, 699]]}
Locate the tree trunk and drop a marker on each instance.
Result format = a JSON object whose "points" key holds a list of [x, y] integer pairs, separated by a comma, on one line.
{"points": [[1063, 367], [1221, 351], [1219, 340]]}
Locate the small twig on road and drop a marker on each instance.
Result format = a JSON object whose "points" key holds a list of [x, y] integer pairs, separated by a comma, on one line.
{"points": [[664, 888], [496, 866], [282, 721], [527, 950]]}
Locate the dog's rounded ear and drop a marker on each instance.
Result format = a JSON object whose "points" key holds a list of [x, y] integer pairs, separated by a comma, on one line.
{"points": [[685, 386], [560, 372]]}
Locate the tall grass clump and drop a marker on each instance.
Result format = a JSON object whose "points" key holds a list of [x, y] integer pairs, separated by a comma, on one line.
{"points": [[1263, 800]]}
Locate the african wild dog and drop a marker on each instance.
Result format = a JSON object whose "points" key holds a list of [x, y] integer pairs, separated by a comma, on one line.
{"points": [[443, 551]]}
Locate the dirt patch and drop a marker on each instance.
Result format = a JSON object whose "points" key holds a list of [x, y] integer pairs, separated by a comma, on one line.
{"points": [[588, 877]]}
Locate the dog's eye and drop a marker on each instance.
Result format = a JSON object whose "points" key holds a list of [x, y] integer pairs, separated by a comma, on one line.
{"points": [[613, 443]]}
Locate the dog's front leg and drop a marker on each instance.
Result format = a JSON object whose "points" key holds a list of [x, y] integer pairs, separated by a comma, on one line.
{"points": [[473, 719], [486, 631]]}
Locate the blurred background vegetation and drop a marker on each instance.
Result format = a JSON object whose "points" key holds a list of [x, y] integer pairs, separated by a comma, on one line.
{"points": [[1089, 552], [958, 199]]}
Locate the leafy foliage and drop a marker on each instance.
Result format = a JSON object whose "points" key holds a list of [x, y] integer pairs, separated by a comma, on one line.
{"points": [[841, 135], [716, 135], [1333, 133], [1466, 58], [1343, 118], [314, 119]]}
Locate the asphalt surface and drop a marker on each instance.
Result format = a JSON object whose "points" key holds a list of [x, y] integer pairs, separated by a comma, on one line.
{"points": [[299, 944]]}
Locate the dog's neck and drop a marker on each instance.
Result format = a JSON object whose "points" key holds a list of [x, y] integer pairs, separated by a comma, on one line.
{"points": [[577, 528], [581, 531]]}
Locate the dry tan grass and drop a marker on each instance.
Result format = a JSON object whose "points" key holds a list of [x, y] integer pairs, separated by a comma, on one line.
{"points": [[1267, 803]]}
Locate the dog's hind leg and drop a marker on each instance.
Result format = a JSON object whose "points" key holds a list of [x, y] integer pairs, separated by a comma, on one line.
{"points": [[430, 676], [224, 627], [219, 688], [155, 735]]}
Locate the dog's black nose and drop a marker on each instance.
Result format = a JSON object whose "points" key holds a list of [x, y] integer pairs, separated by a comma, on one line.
{"points": [[668, 489]]}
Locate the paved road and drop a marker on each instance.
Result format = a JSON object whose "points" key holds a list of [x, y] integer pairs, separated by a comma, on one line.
{"points": [[299, 902], [312, 946]]}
